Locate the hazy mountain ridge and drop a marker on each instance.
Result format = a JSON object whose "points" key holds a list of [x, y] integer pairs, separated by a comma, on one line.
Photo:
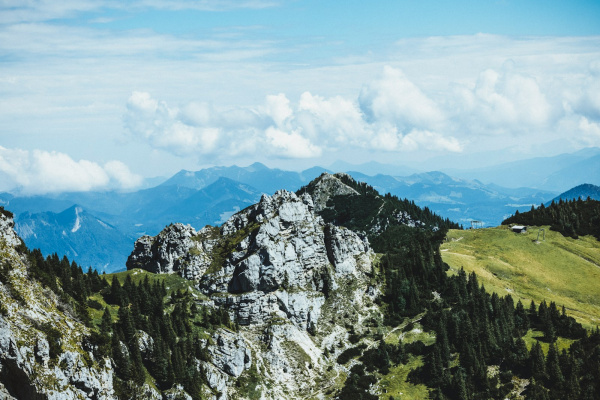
{"points": [[211, 195], [557, 173], [579, 192], [461, 200], [77, 234]]}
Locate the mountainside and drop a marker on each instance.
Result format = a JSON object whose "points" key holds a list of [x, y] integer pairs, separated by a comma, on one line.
{"points": [[579, 192], [334, 292], [537, 265], [278, 269], [343, 201], [73, 233], [44, 353], [571, 218]]}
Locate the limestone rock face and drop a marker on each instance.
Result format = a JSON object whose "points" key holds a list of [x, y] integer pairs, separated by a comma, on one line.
{"points": [[286, 278], [26, 370], [177, 249], [7, 232], [276, 258], [283, 261], [230, 353]]}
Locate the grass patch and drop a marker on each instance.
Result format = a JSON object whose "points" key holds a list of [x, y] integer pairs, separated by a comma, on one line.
{"points": [[536, 336], [395, 383], [559, 269]]}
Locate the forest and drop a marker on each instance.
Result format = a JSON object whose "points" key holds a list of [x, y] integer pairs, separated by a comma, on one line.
{"points": [[571, 218]]}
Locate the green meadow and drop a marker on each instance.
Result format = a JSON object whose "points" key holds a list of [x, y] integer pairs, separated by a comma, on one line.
{"points": [[559, 269]]}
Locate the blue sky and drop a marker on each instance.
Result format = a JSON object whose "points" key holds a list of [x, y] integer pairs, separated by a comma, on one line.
{"points": [[99, 94]]}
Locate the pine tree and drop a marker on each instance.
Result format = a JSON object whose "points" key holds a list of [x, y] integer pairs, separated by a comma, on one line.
{"points": [[460, 385], [115, 294], [537, 363], [555, 375], [521, 319]]}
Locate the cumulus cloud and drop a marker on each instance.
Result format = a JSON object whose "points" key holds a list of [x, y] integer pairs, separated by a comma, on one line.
{"points": [[199, 129], [290, 145], [38, 172], [502, 102], [391, 114], [396, 99], [590, 131]]}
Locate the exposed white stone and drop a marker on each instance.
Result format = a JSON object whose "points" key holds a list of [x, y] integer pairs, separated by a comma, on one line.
{"points": [[24, 348], [229, 353]]}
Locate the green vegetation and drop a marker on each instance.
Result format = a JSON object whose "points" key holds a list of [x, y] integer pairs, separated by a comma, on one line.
{"points": [[571, 218], [396, 385], [470, 330], [560, 269], [227, 244], [534, 336], [120, 309], [375, 214]]}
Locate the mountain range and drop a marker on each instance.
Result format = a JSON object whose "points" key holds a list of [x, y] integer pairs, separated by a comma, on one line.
{"points": [[556, 174], [211, 195]]}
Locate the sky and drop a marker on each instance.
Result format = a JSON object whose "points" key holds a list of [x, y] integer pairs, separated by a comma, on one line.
{"points": [[99, 95]]}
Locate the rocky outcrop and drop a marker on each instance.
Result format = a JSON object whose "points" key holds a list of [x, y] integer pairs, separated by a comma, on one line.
{"points": [[229, 353], [27, 313], [285, 276], [327, 186], [176, 249], [274, 259], [7, 232]]}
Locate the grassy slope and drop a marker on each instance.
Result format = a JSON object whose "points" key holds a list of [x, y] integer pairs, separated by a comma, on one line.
{"points": [[559, 269]]}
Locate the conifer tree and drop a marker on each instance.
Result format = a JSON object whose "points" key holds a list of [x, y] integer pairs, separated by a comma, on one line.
{"points": [[555, 375], [537, 363]]}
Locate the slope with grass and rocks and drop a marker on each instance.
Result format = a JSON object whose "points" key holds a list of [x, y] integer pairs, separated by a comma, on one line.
{"points": [[333, 292]]}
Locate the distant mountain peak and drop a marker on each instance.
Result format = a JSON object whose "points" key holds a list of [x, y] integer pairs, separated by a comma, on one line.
{"points": [[257, 167], [582, 191], [327, 186]]}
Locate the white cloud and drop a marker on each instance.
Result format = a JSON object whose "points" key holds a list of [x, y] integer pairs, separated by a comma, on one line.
{"points": [[306, 129], [119, 173], [38, 172], [278, 108], [394, 98], [431, 141], [590, 131], [502, 102], [335, 121], [290, 145]]}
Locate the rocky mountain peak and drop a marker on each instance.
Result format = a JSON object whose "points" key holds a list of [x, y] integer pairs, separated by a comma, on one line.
{"points": [[327, 186], [281, 272]]}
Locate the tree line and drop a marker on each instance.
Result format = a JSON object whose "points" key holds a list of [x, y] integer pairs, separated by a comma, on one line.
{"points": [[572, 218]]}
